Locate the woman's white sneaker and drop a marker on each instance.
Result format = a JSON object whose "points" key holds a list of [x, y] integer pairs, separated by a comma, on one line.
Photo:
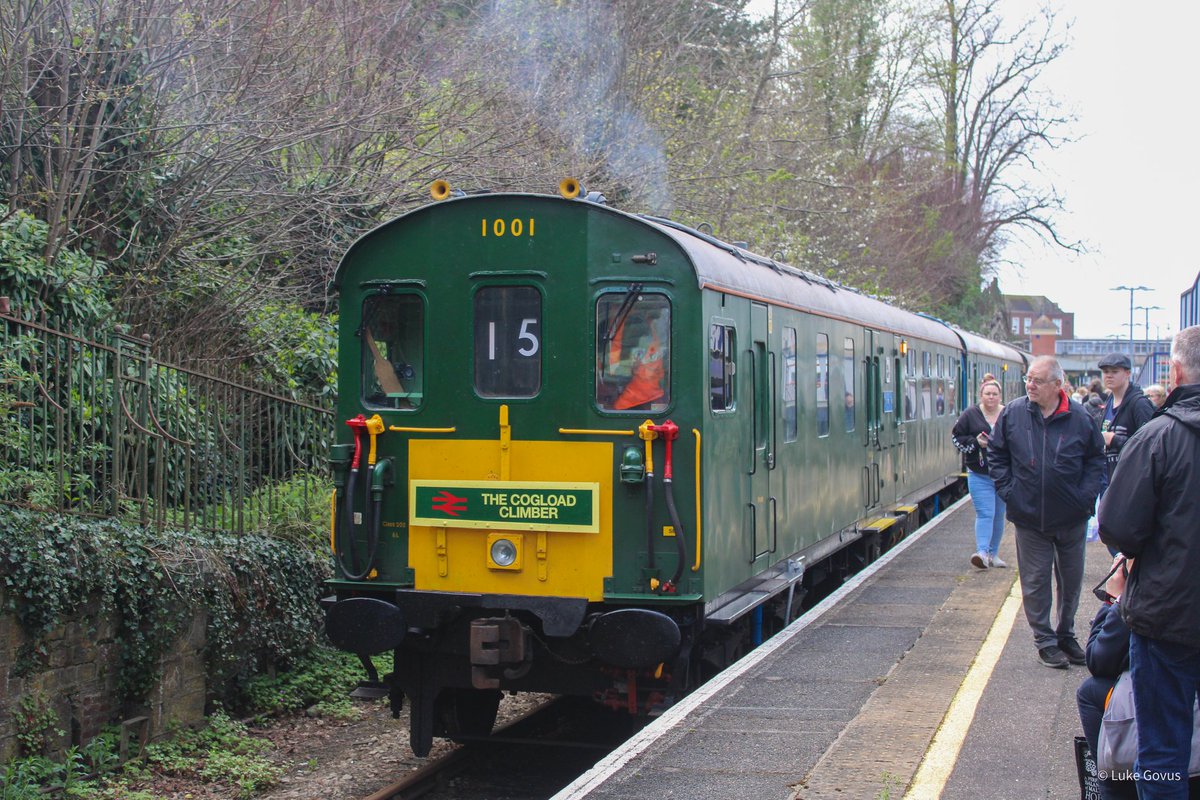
{"points": [[980, 560], [996, 561]]}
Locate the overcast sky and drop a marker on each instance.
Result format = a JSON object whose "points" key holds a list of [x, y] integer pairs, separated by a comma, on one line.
{"points": [[1131, 181]]}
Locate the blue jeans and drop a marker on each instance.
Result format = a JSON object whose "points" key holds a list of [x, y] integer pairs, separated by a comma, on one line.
{"points": [[1166, 678], [989, 513]]}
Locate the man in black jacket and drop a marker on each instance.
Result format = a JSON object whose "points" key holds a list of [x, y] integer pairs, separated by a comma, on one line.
{"points": [[1126, 410], [1047, 459], [1152, 512], [1107, 657]]}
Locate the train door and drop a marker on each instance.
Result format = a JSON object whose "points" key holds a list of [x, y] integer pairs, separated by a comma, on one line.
{"points": [[887, 347], [872, 400], [763, 507]]}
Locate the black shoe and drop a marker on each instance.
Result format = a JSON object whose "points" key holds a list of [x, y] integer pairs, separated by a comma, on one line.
{"points": [[1073, 651], [1051, 656]]}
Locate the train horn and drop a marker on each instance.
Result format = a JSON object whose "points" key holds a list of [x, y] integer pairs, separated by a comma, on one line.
{"points": [[570, 188], [440, 190]]}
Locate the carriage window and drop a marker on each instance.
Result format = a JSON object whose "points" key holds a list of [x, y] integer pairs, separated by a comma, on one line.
{"points": [[848, 383], [910, 399], [939, 405], [508, 341], [822, 384], [633, 352], [791, 428], [926, 398], [393, 351], [720, 367], [927, 363]]}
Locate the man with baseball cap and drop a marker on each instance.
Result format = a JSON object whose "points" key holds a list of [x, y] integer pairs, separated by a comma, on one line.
{"points": [[1126, 410]]}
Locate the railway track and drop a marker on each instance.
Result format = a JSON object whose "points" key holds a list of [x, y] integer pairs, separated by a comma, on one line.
{"points": [[536, 754], [530, 758]]}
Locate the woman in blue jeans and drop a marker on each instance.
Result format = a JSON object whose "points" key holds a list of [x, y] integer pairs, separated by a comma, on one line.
{"points": [[971, 434]]}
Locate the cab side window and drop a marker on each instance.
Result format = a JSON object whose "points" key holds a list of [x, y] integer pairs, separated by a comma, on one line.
{"points": [[392, 343], [721, 367], [633, 352]]}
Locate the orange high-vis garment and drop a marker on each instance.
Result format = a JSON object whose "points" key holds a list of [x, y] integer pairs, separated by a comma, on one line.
{"points": [[647, 382], [614, 344]]}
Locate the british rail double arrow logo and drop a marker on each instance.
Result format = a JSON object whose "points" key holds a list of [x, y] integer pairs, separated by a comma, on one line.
{"points": [[449, 504]]}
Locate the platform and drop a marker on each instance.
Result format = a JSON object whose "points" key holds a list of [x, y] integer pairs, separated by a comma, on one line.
{"points": [[846, 702]]}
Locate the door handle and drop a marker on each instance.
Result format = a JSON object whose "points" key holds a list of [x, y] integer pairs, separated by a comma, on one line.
{"points": [[753, 531], [774, 524]]}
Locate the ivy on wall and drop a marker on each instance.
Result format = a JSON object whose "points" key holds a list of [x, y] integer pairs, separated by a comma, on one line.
{"points": [[259, 593]]}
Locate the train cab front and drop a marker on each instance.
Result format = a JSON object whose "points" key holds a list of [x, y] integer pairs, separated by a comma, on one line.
{"points": [[490, 444], [502, 582]]}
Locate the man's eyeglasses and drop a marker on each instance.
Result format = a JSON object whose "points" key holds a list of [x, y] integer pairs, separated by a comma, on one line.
{"points": [[1036, 381]]}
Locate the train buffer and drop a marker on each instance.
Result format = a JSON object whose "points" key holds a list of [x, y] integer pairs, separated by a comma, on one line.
{"points": [[918, 679]]}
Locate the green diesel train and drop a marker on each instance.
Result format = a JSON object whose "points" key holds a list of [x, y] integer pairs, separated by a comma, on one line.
{"points": [[588, 452]]}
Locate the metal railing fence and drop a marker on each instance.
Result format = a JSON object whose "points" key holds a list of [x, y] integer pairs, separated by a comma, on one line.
{"points": [[102, 428]]}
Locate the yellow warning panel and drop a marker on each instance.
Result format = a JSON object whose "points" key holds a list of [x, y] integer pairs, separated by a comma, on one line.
{"points": [[562, 489]]}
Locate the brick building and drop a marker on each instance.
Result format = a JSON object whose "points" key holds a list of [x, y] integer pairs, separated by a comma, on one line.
{"points": [[1024, 311]]}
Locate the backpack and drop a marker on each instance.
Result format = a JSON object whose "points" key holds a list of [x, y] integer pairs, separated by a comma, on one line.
{"points": [[1118, 743]]}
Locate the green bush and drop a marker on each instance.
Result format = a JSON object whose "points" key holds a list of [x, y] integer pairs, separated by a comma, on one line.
{"points": [[221, 752], [322, 678], [71, 289]]}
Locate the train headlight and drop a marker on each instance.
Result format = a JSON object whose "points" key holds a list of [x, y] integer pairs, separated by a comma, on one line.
{"points": [[504, 551]]}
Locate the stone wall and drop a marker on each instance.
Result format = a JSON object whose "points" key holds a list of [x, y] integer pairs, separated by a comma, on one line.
{"points": [[78, 677]]}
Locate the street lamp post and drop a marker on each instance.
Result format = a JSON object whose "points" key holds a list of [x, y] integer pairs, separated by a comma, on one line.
{"points": [[1131, 290], [1148, 309]]}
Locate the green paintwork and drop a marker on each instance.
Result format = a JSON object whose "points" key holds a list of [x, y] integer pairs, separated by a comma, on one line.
{"points": [[512, 506], [764, 498]]}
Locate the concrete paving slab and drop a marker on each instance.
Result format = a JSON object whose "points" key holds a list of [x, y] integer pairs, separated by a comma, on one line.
{"points": [[847, 707], [782, 716]]}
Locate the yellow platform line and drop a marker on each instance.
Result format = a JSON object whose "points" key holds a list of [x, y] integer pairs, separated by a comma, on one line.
{"points": [[940, 758]]}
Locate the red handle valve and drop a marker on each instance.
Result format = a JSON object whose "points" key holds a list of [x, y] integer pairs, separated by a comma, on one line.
{"points": [[359, 426], [669, 432]]}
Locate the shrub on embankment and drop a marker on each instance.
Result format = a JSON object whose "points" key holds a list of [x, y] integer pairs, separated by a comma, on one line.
{"points": [[104, 620]]}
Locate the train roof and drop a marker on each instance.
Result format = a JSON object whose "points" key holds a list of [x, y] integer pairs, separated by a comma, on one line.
{"points": [[986, 347], [725, 267], [728, 268]]}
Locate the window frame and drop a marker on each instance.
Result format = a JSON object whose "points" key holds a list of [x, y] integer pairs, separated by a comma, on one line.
{"points": [[791, 428], [669, 374], [541, 341], [729, 365], [422, 327], [849, 384], [822, 433]]}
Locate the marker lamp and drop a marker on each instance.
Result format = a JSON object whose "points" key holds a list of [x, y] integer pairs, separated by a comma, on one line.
{"points": [[504, 551]]}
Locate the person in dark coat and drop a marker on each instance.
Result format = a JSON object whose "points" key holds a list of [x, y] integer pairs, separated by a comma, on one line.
{"points": [[1095, 408], [1095, 401], [1107, 656], [1125, 411], [1047, 459], [1152, 512], [970, 434]]}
